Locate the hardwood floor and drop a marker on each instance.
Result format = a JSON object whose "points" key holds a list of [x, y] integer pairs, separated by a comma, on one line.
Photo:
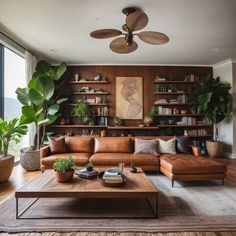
{"points": [[20, 177]]}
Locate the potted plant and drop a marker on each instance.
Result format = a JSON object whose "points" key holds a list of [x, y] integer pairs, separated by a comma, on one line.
{"points": [[89, 166], [150, 116], [83, 111], [211, 97], [63, 169], [9, 131], [41, 102]]}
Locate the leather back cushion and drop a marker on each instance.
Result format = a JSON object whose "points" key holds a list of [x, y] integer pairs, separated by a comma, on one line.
{"points": [[57, 144], [79, 144], [113, 144]]}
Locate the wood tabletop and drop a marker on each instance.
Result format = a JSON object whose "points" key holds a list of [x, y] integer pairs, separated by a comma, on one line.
{"points": [[137, 186]]}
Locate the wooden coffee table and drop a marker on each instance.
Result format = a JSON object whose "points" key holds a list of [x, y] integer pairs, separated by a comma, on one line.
{"points": [[137, 186]]}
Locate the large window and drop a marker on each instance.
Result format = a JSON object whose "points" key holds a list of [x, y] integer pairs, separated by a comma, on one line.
{"points": [[13, 77]]}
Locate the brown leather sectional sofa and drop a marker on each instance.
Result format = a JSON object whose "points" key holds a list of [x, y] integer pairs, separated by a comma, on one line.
{"points": [[110, 151]]}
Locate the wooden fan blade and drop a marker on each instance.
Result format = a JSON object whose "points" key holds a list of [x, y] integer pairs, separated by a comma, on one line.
{"points": [[105, 33], [152, 37], [119, 45], [137, 20]]}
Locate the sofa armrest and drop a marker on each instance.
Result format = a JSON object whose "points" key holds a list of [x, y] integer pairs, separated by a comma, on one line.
{"points": [[44, 151]]}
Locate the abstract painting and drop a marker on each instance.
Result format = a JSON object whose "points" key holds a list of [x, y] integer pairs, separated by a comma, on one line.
{"points": [[129, 97]]}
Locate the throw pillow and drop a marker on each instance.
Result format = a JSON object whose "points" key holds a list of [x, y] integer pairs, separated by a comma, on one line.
{"points": [[183, 144], [168, 146], [57, 145], [145, 146]]}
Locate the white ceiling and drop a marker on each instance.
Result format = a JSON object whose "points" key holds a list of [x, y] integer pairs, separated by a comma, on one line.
{"points": [[59, 30]]}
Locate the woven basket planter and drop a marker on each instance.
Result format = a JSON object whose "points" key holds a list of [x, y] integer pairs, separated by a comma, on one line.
{"points": [[30, 160]]}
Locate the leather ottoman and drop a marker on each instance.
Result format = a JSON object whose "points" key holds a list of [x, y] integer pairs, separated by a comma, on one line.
{"points": [[189, 167]]}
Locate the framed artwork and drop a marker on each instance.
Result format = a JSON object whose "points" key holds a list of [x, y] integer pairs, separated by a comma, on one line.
{"points": [[129, 97]]}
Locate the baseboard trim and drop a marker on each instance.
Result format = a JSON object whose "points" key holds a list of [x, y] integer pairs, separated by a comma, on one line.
{"points": [[229, 155]]}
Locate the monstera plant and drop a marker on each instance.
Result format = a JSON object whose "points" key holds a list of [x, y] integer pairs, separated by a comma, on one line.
{"points": [[211, 97], [42, 98]]}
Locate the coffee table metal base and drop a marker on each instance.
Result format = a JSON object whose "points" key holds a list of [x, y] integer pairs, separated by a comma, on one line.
{"points": [[152, 202]]}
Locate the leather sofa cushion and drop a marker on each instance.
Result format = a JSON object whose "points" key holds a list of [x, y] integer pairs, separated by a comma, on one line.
{"points": [[113, 144], [79, 144], [111, 159], [189, 164], [57, 144], [81, 159]]}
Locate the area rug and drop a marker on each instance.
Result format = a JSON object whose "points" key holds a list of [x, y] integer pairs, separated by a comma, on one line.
{"points": [[169, 220]]}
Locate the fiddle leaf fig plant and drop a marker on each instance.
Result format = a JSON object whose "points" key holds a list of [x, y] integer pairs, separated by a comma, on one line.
{"points": [[210, 97], [42, 98]]}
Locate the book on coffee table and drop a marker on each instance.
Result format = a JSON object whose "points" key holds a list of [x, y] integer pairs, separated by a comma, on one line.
{"points": [[112, 176]]}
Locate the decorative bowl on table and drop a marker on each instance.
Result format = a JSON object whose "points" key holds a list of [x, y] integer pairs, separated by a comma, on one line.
{"points": [[107, 184]]}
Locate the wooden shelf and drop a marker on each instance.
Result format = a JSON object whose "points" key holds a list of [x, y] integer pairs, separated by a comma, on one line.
{"points": [[170, 93], [78, 126], [132, 127], [179, 115], [171, 104], [184, 126], [87, 82], [199, 136], [91, 93], [173, 82], [90, 104]]}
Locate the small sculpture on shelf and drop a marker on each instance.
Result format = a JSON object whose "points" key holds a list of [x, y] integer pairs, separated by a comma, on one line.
{"points": [[97, 77], [117, 121], [133, 168]]}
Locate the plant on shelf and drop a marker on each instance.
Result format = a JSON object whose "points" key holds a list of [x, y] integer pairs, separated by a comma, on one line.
{"points": [[211, 97], [148, 119], [11, 130], [83, 111], [63, 169], [42, 98]]}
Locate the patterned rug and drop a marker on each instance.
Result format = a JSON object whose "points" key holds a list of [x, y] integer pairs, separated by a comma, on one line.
{"points": [[189, 206]]}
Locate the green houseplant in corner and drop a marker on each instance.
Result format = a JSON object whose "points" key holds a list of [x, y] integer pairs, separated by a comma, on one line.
{"points": [[9, 131], [211, 97], [63, 169], [41, 103]]}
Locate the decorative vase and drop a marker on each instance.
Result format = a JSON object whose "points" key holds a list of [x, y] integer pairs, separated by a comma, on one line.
{"points": [[30, 160], [6, 166], [214, 148], [63, 177]]}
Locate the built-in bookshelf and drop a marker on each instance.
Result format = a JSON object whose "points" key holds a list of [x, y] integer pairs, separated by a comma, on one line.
{"points": [[173, 111]]}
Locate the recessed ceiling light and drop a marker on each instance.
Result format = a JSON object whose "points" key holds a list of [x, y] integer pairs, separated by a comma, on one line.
{"points": [[53, 50], [217, 49]]}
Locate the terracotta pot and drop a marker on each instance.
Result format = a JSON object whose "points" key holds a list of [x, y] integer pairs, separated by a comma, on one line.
{"points": [[6, 166], [196, 151], [63, 177], [214, 148]]}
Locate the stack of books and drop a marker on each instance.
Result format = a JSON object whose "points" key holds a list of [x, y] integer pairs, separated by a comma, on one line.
{"points": [[83, 173], [112, 176]]}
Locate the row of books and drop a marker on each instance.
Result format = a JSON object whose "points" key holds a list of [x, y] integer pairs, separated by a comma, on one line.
{"points": [[196, 132]]}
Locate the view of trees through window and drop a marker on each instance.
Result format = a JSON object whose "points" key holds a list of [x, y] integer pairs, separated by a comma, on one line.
{"points": [[14, 77]]}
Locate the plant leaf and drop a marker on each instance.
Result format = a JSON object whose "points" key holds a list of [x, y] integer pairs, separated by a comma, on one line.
{"points": [[22, 96], [52, 110], [35, 97], [61, 70]]}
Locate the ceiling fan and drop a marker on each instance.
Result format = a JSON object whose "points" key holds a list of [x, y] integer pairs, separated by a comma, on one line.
{"points": [[135, 20]]}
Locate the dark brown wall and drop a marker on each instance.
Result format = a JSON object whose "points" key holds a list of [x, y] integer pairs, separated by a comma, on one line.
{"points": [[147, 72]]}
